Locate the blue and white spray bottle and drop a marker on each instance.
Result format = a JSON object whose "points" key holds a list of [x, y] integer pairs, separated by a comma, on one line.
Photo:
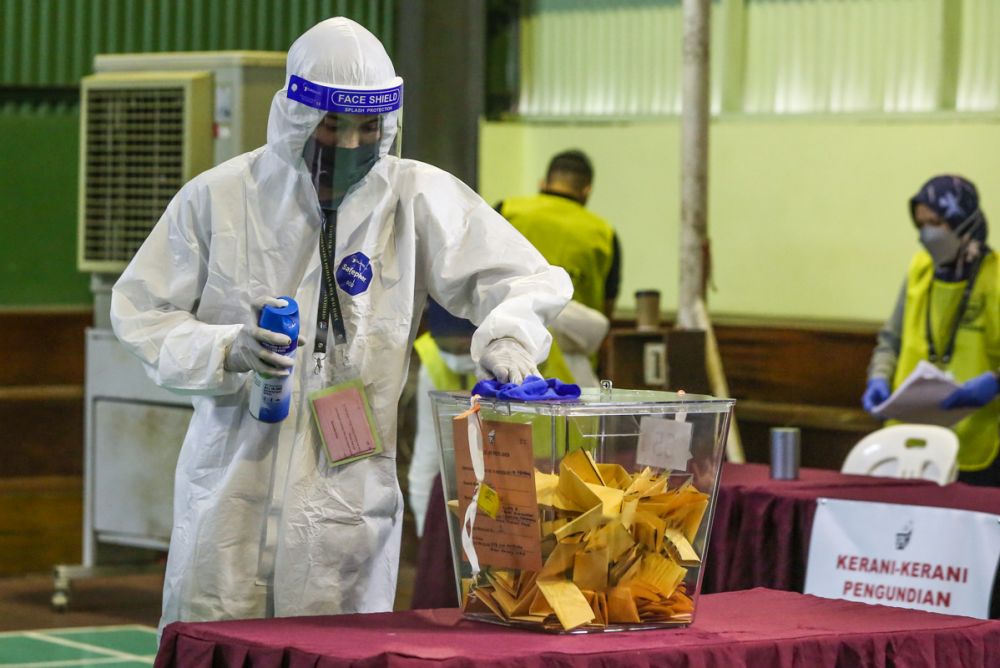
{"points": [[270, 396]]}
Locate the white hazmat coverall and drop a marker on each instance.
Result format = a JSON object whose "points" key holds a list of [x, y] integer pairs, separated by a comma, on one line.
{"points": [[262, 525]]}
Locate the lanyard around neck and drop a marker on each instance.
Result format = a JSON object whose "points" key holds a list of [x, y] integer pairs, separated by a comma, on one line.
{"points": [[953, 333], [329, 304]]}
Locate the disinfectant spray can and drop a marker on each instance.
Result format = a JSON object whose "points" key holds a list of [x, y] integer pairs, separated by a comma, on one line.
{"points": [[270, 396]]}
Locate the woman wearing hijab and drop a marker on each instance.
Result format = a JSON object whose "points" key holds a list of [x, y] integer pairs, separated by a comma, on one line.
{"points": [[948, 313]]}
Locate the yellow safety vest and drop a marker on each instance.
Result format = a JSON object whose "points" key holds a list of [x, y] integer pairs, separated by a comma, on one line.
{"points": [[567, 236], [977, 345]]}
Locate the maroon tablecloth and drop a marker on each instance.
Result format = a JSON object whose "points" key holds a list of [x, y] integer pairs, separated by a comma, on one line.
{"points": [[759, 627], [434, 581], [760, 535]]}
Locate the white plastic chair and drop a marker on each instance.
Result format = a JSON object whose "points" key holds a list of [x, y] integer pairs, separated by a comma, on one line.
{"points": [[906, 451]]}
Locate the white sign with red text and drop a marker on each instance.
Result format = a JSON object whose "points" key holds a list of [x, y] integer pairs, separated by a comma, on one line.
{"points": [[933, 559]]}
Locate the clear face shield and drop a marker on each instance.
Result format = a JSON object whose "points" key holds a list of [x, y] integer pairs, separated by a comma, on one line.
{"points": [[360, 126]]}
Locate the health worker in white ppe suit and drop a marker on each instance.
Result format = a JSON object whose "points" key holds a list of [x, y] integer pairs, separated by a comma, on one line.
{"points": [[265, 522]]}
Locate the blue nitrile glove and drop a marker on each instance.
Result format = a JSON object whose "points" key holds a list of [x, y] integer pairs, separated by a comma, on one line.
{"points": [[533, 388], [876, 392], [974, 393]]}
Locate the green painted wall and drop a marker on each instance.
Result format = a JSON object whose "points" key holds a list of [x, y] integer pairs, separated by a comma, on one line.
{"points": [[39, 163], [808, 216]]}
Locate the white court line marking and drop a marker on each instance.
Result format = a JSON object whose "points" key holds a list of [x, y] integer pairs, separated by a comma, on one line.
{"points": [[83, 629], [98, 629], [71, 663], [56, 640]]}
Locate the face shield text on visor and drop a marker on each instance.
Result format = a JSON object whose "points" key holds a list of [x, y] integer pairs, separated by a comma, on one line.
{"points": [[360, 126]]}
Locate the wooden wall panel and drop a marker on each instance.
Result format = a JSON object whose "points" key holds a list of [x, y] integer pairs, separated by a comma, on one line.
{"points": [[41, 393], [796, 365], [43, 436], [42, 519], [803, 375], [50, 350]]}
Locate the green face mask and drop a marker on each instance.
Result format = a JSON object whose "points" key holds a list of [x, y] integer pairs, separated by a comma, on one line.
{"points": [[335, 170]]}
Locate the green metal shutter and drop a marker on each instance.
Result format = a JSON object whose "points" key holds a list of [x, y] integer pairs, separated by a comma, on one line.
{"points": [[53, 42]]}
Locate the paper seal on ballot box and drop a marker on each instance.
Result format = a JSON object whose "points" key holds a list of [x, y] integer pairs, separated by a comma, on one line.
{"points": [[584, 538]]}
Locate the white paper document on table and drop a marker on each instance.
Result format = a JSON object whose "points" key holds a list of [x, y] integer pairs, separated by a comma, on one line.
{"points": [[918, 398]]}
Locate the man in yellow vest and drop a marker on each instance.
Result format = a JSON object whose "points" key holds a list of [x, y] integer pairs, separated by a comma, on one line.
{"points": [[948, 313], [557, 223]]}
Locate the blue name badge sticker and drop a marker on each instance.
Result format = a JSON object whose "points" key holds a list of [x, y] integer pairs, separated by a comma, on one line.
{"points": [[346, 100], [354, 273]]}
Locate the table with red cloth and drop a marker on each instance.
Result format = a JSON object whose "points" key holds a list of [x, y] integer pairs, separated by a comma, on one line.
{"points": [[760, 535], [758, 627]]}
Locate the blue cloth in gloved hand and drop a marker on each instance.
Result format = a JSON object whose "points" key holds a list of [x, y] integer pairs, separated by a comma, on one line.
{"points": [[974, 393], [876, 392], [532, 389]]}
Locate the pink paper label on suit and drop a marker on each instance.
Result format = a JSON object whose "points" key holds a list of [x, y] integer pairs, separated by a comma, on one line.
{"points": [[343, 422]]}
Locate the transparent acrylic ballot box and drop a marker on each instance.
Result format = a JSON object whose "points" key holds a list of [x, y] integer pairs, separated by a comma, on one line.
{"points": [[583, 515]]}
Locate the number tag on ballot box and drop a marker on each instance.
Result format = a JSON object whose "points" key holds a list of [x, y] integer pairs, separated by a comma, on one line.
{"points": [[344, 419]]}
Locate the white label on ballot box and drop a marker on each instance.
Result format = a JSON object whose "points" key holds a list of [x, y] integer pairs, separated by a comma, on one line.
{"points": [[934, 559], [664, 443]]}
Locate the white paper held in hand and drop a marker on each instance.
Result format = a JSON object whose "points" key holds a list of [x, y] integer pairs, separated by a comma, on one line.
{"points": [[918, 398]]}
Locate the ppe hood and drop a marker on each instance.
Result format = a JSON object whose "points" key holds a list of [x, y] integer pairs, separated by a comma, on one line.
{"points": [[337, 53]]}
